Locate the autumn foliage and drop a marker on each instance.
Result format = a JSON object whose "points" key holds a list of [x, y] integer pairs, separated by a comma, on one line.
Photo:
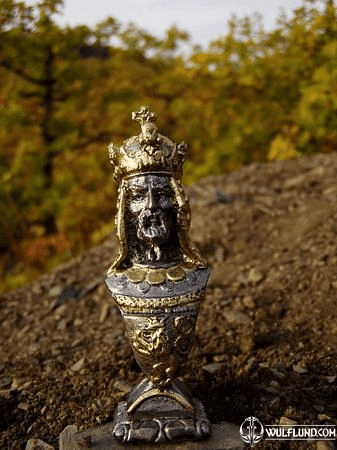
{"points": [[66, 92]]}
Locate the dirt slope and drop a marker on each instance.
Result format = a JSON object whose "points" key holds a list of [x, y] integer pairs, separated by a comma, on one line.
{"points": [[266, 341]]}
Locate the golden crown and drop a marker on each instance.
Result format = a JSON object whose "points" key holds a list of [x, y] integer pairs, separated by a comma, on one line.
{"points": [[147, 152]]}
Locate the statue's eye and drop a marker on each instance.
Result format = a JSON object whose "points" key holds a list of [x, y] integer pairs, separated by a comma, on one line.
{"points": [[163, 193], [137, 196]]}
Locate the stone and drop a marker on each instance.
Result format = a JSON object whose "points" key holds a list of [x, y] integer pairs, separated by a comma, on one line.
{"points": [[36, 289], [213, 368], [122, 386], [248, 301], [275, 404], [220, 254], [225, 436], [285, 421], [236, 317], [323, 417], [5, 382], [325, 445], [78, 365], [277, 374], [255, 276], [37, 444], [104, 312], [6, 393], [294, 182], [318, 171], [222, 197], [330, 379], [330, 190], [16, 383], [55, 291], [219, 275], [24, 406], [66, 438], [299, 369]]}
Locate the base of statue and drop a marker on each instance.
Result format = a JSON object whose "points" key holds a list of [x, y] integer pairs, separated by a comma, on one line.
{"points": [[168, 425], [153, 415]]}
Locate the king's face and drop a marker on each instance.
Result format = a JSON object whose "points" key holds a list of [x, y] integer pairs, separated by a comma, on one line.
{"points": [[151, 204]]}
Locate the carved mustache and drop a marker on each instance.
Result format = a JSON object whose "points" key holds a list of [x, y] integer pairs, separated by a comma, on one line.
{"points": [[151, 225]]}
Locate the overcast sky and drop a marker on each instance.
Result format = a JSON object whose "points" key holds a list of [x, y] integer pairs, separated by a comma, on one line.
{"points": [[205, 20]]}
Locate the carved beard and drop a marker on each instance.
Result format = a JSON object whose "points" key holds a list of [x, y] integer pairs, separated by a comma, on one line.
{"points": [[152, 227], [152, 238]]}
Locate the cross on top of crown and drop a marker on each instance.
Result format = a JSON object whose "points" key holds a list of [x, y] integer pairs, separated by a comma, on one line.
{"points": [[148, 152], [144, 115]]}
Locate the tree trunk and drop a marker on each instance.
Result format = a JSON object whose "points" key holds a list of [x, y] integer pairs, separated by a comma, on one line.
{"points": [[48, 137], [330, 17]]}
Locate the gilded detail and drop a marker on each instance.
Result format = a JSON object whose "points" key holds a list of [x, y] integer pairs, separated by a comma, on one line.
{"points": [[160, 339], [153, 213], [147, 152], [131, 304], [158, 281]]}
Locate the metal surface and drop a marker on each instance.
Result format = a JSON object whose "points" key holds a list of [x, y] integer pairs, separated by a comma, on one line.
{"points": [[158, 281]]}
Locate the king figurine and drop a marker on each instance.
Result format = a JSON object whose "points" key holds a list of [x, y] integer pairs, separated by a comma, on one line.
{"points": [[158, 281]]}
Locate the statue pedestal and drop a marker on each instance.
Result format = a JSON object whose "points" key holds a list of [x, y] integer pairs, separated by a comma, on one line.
{"points": [[225, 436], [152, 415], [160, 420]]}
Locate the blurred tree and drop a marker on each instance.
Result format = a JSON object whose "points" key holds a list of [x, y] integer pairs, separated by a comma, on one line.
{"points": [[42, 75], [260, 90]]}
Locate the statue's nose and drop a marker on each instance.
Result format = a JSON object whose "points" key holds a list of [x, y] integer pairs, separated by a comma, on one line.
{"points": [[150, 200]]}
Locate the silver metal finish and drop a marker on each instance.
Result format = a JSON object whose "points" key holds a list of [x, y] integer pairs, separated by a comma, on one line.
{"points": [[158, 281]]}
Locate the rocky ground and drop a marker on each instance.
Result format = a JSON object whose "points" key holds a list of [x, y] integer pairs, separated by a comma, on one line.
{"points": [[266, 340]]}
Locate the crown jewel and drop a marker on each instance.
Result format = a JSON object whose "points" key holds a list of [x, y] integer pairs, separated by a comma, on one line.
{"points": [[147, 152]]}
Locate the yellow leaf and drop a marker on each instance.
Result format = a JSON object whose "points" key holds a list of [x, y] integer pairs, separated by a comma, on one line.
{"points": [[281, 148]]}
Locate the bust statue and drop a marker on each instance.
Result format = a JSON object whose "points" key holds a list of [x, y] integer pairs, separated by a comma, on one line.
{"points": [[153, 215], [157, 280]]}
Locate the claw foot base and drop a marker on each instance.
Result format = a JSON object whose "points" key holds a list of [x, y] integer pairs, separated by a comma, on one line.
{"points": [[160, 420]]}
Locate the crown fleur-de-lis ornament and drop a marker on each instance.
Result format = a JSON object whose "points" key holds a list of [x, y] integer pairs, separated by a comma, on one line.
{"points": [[158, 280]]}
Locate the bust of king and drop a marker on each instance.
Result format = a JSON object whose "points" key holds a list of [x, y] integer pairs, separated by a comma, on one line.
{"points": [[153, 215], [157, 280]]}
